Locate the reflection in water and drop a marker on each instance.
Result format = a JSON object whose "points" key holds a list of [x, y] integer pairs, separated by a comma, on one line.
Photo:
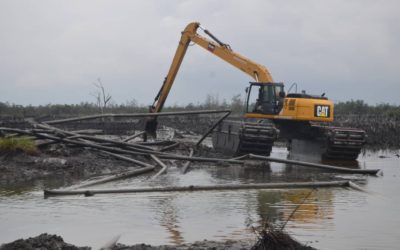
{"points": [[301, 206], [268, 210], [20, 188], [167, 215], [312, 206], [315, 157]]}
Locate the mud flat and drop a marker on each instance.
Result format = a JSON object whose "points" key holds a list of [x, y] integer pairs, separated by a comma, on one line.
{"points": [[275, 240], [54, 242], [57, 161]]}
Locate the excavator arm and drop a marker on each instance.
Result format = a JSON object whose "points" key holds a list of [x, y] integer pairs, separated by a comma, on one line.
{"points": [[258, 72]]}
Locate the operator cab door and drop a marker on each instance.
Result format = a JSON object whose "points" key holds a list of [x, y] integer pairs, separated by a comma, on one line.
{"points": [[265, 98]]}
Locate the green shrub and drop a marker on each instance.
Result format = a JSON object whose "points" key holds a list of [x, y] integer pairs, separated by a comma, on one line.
{"points": [[11, 145]]}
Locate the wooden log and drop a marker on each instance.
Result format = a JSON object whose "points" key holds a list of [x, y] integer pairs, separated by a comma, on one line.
{"points": [[15, 130], [315, 165], [140, 148], [187, 163], [90, 145], [128, 159], [198, 159], [130, 152], [212, 128], [88, 131], [162, 155], [357, 187], [156, 143], [246, 156], [172, 146], [284, 185], [159, 162], [133, 136], [120, 176], [49, 142], [135, 115]]}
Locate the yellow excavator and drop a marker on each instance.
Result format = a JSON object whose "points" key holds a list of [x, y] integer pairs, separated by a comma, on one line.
{"points": [[270, 112]]}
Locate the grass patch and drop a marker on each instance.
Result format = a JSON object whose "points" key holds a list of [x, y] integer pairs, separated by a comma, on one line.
{"points": [[14, 145]]}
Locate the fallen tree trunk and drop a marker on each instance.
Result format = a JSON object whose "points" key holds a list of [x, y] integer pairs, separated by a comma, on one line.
{"points": [[315, 165], [159, 162], [133, 136], [198, 159], [124, 151], [187, 163], [203, 188], [138, 115], [172, 146], [16, 130], [155, 143], [118, 143], [90, 145], [121, 157], [92, 138], [212, 128], [115, 177]]}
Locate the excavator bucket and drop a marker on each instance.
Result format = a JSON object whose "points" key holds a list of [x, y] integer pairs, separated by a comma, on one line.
{"points": [[151, 127]]}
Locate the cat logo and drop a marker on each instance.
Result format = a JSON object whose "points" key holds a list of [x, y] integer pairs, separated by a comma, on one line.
{"points": [[322, 111], [211, 47]]}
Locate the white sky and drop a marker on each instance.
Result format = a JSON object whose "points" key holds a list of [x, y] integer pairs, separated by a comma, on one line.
{"points": [[52, 51]]}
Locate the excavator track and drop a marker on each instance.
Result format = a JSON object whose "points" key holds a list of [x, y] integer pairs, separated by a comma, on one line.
{"points": [[326, 142], [242, 137], [343, 143]]}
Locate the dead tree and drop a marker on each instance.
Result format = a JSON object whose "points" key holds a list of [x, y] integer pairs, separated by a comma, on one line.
{"points": [[102, 98]]}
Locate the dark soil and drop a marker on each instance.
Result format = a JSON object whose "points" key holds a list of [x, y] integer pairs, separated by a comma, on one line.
{"points": [[268, 240], [58, 160], [277, 240], [41, 242], [201, 245], [54, 242]]}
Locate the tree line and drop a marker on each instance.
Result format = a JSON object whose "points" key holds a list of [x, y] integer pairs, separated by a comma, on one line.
{"points": [[236, 104], [359, 107]]}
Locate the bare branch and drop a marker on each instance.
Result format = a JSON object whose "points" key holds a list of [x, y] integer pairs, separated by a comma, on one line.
{"points": [[102, 98]]}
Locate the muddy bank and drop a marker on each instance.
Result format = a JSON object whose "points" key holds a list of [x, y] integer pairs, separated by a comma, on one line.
{"points": [[43, 242], [58, 161], [54, 242], [73, 163], [278, 240]]}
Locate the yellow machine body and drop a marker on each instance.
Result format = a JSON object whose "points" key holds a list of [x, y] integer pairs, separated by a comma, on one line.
{"points": [[301, 109]]}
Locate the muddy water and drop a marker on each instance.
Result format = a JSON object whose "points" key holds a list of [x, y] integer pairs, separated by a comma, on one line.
{"points": [[334, 218]]}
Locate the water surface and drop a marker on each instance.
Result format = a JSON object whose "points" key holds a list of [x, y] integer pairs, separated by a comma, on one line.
{"points": [[329, 218]]}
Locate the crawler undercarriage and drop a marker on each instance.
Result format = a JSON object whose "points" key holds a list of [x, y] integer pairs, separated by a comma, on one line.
{"points": [[258, 137]]}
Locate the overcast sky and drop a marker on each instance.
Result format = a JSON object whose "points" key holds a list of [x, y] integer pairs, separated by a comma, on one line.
{"points": [[52, 51]]}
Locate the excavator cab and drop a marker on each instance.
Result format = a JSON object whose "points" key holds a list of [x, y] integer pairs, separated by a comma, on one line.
{"points": [[265, 98]]}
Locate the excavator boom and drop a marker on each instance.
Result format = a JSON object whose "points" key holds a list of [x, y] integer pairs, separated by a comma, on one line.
{"points": [[257, 71]]}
